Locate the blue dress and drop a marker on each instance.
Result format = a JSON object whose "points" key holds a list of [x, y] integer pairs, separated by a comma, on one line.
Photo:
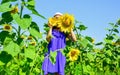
{"points": [[57, 43]]}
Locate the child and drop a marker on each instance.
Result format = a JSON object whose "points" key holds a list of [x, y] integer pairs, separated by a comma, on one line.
{"points": [[56, 43]]}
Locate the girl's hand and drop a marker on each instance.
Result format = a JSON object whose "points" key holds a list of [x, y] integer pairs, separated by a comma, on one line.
{"points": [[73, 36], [50, 25]]}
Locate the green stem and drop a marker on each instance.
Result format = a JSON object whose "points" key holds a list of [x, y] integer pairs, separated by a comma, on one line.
{"points": [[77, 36], [21, 11], [112, 30], [76, 31], [34, 60], [19, 30], [81, 63]]}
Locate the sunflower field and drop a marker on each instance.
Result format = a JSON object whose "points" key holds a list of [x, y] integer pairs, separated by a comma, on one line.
{"points": [[22, 45]]}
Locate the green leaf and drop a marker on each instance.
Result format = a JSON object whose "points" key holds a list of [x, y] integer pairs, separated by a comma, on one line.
{"points": [[84, 42], [115, 30], [90, 56], [108, 40], [78, 69], [30, 52], [4, 1], [82, 27], [12, 48], [31, 2], [107, 72], [6, 17], [7, 41], [25, 22], [99, 43], [118, 22], [35, 33], [5, 57], [21, 72], [108, 60], [35, 11], [53, 57], [89, 38], [62, 51], [5, 7], [35, 26], [85, 69], [1, 63], [109, 52], [3, 35]]}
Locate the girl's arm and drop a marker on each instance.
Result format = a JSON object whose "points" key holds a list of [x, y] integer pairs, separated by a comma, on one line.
{"points": [[72, 35], [49, 34]]}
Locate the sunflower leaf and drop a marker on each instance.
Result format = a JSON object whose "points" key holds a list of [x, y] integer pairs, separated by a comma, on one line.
{"points": [[5, 7], [30, 52], [62, 51], [32, 8], [53, 57], [35, 33], [12, 48], [24, 22]]}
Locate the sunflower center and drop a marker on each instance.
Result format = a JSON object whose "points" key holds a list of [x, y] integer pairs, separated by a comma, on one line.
{"points": [[7, 27], [73, 53]]}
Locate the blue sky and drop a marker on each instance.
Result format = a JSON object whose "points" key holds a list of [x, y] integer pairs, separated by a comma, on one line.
{"points": [[95, 14]]}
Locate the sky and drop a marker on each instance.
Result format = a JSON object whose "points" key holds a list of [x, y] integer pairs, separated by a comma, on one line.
{"points": [[94, 14]]}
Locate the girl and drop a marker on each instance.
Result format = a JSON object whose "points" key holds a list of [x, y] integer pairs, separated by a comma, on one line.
{"points": [[56, 43]]}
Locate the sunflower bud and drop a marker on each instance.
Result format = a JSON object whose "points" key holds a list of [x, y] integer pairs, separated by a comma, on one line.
{"points": [[93, 40], [33, 43], [14, 10], [22, 37], [30, 38]]}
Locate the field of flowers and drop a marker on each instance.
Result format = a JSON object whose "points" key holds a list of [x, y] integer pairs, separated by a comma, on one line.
{"points": [[22, 46]]}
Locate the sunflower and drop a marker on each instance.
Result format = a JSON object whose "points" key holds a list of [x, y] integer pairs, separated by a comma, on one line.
{"points": [[22, 36], [30, 38], [93, 40], [54, 21], [33, 43], [14, 10], [73, 54], [7, 27], [67, 23]]}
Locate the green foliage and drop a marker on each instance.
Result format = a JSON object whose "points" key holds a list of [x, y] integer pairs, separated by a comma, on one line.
{"points": [[24, 56], [35, 33], [24, 22], [5, 7], [53, 57]]}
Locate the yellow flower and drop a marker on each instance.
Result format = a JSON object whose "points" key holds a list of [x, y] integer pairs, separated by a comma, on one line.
{"points": [[67, 23], [30, 38], [117, 42], [14, 10], [67, 39], [22, 36], [33, 43], [54, 21], [96, 50], [73, 54], [93, 40], [42, 48], [7, 27], [113, 43]]}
